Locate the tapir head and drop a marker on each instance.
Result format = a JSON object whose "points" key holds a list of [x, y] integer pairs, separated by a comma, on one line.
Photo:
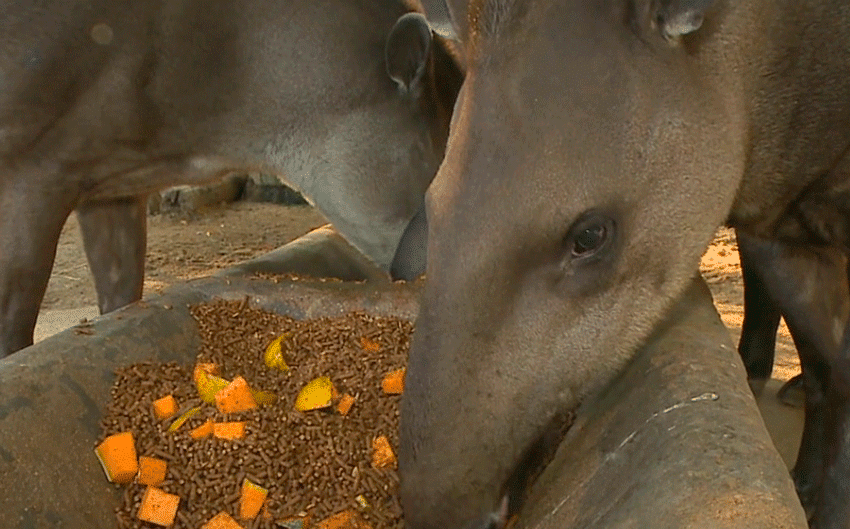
{"points": [[376, 91], [593, 151]]}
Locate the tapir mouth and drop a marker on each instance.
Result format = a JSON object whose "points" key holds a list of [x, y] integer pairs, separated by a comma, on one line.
{"points": [[531, 465]]}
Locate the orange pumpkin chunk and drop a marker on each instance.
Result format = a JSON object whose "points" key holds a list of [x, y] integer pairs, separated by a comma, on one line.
{"points": [[221, 520], [344, 405], [151, 471], [203, 431], [369, 345], [252, 500], [204, 368], [158, 507], [235, 397], [344, 520], [393, 383], [165, 408], [382, 453], [117, 455], [229, 430], [316, 394]]}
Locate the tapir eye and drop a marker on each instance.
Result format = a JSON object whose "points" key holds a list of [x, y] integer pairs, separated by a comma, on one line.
{"points": [[589, 240], [589, 235]]}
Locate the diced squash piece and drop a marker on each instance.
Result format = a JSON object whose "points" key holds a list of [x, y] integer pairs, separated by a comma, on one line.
{"points": [[369, 345], [117, 455], [235, 397], [252, 500], [274, 353], [295, 522], [203, 431], [382, 453], [263, 397], [165, 408], [151, 471], [180, 421], [361, 501], [205, 368], [344, 405], [208, 385], [221, 520], [347, 519], [158, 507], [317, 394], [229, 430], [393, 383]]}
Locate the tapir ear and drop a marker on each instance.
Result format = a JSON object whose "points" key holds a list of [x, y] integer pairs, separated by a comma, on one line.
{"points": [[439, 16], [680, 17], [408, 46], [459, 15]]}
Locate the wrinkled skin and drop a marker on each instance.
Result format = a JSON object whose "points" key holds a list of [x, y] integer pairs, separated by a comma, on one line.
{"points": [[104, 102], [595, 148]]}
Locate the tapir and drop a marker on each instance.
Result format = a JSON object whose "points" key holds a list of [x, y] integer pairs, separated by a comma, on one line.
{"points": [[595, 147], [103, 102]]}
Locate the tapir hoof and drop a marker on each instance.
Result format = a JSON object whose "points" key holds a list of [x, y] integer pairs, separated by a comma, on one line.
{"points": [[793, 393]]}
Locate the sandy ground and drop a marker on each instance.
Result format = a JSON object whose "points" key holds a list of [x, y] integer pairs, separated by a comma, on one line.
{"points": [[185, 248]]}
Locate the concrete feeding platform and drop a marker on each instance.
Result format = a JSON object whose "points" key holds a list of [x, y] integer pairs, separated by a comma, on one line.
{"points": [[675, 441]]}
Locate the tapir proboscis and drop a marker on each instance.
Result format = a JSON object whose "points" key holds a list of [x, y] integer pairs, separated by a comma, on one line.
{"points": [[103, 102], [595, 147]]}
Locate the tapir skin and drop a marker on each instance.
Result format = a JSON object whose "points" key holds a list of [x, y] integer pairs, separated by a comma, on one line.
{"points": [[595, 148], [103, 102]]}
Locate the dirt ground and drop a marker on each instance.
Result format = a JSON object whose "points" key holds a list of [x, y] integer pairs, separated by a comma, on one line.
{"points": [[186, 248], [183, 248]]}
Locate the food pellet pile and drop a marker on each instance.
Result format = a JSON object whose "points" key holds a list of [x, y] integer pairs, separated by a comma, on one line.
{"points": [[315, 464]]}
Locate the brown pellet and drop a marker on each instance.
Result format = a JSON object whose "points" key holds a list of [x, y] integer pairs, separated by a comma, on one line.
{"points": [[316, 460]]}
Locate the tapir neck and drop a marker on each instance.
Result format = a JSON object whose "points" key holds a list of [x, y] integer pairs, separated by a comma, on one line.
{"points": [[784, 65]]}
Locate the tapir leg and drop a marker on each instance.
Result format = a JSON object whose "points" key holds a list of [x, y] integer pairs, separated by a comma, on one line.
{"points": [[115, 237], [32, 214], [757, 345], [410, 255], [810, 286]]}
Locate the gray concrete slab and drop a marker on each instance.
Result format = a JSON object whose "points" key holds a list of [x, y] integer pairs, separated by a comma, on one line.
{"points": [[675, 442], [783, 422]]}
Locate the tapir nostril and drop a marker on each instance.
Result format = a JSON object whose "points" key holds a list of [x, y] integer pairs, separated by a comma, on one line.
{"points": [[537, 456]]}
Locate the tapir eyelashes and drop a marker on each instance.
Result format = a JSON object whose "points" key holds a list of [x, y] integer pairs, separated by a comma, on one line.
{"points": [[590, 235]]}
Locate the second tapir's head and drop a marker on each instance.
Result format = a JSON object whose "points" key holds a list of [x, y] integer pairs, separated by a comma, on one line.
{"points": [[361, 95], [595, 147]]}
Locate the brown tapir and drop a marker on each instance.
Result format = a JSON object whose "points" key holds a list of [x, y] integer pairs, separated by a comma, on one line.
{"points": [[103, 102], [595, 148]]}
